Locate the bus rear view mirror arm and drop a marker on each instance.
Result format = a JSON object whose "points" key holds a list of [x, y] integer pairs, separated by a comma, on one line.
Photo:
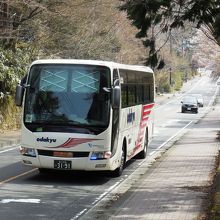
{"points": [[19, 95], [116, 97]]}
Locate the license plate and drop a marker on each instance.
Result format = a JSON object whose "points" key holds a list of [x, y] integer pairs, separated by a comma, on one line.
{"points": [[62, 164], [189, 109]]}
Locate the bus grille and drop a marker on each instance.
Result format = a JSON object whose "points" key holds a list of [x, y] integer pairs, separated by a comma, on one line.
{"points": [[51, 153]]}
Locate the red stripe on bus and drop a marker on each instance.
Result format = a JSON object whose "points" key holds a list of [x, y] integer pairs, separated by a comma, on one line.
{"points": [[146, 112], [72, 142], [148, 106]]}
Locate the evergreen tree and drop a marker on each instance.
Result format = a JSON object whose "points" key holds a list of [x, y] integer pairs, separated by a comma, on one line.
{"points": [[170, 14]]}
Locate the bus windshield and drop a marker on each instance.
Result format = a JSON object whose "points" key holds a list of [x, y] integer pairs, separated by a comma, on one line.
{"points": [[67, 94]]}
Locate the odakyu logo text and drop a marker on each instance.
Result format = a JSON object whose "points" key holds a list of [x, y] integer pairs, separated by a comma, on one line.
{"points": [[46, 140]]}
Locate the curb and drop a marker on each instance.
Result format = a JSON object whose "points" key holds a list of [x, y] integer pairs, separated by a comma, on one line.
{"points": [[215, 197]]}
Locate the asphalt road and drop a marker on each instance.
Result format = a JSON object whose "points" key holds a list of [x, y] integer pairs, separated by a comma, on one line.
{"points": [[26, 194]]}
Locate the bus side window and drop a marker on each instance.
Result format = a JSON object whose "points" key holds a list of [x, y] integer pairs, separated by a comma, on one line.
{"points": [[131, 95], [147, 98], [124, 95], [139, 93]]}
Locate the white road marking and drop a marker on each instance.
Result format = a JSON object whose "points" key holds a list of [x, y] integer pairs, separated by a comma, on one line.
{"points": [[98, 199], [4, 201], [79, 214], [10, 149], [106, 192]]}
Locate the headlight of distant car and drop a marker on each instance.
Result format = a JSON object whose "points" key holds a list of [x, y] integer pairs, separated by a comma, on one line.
{"points": [[28, 151]]}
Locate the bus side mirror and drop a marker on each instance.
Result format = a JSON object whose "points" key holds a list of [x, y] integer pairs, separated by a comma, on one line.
{"points": [[116, 97], [19, 95]]}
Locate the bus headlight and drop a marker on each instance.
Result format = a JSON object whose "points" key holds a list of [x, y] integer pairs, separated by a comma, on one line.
{"points": [[28, 151], [100, 155]]}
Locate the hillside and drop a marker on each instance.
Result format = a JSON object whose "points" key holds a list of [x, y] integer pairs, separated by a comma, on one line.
{"points": [[87, 29]]}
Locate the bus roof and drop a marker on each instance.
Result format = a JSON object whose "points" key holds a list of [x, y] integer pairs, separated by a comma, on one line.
{"points": [[109, 64]]}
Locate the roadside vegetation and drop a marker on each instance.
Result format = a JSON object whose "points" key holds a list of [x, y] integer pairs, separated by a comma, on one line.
{"points": [[107, 30]]}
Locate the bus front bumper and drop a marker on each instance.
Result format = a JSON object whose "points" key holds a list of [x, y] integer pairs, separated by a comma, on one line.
{"points": [[60, 163]]}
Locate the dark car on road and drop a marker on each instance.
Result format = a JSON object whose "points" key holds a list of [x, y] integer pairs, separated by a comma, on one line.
{"points": [[189, 104]]}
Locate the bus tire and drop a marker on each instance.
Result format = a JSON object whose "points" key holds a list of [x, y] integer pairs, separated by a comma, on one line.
{"points": [[118, 171], [143, 153]]}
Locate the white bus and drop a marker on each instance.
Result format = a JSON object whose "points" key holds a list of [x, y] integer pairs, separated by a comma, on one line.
{"points": [[85, 115]]}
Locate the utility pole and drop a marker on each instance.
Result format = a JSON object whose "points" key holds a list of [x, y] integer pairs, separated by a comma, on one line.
{"points": [[171, 43], [170, 73]]}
